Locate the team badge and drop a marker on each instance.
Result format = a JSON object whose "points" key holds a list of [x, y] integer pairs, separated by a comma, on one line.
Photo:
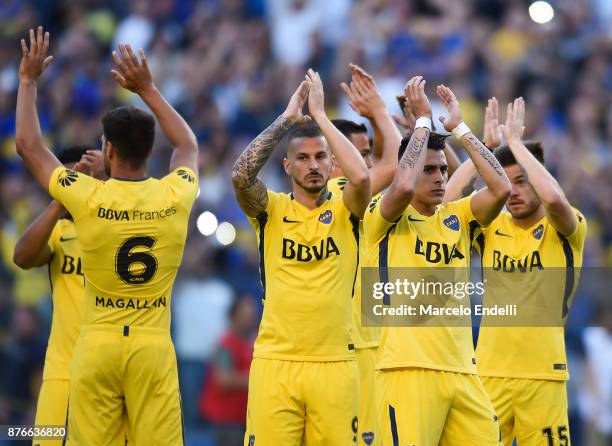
{"points": [[251, 440], [67, 177], [185, 175], [538, 232], [368, 437], [326, 217], [452, 222]]}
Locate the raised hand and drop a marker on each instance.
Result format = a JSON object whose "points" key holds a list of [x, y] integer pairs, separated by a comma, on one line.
{"points": [[416, 99], [92, 164], [316, 99], [294, 110], [34, 60], [407, 120], [133, 74], [363, 95], [492, 130], [451, 103], [515, 120]]}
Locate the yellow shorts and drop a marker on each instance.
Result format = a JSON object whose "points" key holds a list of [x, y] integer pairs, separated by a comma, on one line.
{"points": [[367, 433], [533, 411], [431, 407], [124, 374], [295, 403], [52, 408]]}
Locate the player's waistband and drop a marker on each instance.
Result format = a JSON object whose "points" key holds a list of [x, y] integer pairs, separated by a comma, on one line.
{"points": [[125, 330]]}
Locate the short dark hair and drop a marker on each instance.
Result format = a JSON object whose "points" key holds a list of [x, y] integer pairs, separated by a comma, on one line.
{"points": [[308, 130], [73, 154], [131, 131], [348, 128], [506, 158], [436, 142]]}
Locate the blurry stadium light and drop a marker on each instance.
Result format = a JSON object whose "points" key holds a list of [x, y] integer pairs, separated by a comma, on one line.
{"points": [[207, 223], [541, 12], [226, 233]]}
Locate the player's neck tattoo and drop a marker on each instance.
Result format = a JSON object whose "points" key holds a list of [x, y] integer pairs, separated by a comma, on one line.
{"points": [[414, 149], [253, 158], [322, 197]]}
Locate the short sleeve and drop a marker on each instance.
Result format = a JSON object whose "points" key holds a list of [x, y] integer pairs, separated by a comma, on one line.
{"points": [[274, 200], [54, 238], [374, 224], [72, 189], [336, 185], [185, 184], [577, 239]]}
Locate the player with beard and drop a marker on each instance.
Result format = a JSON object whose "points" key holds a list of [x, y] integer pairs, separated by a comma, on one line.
{"points": [[365, 99], [428, 390], [541, 238], [303, 379]]}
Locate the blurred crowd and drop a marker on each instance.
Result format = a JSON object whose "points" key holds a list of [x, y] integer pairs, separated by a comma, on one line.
{"points": [[229, 67]]}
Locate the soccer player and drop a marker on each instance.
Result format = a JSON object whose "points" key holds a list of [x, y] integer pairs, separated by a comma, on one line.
{"points": [[52, 240], [524, 369], [366, 100], [303, 379], [132, 230], [428, 390]]}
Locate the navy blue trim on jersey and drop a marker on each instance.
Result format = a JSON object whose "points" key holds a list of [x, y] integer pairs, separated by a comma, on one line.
{"points": [[136, 180], [473, 226], [569, 273], [329, 195], [355, 224], [383, 262], [393, 422], [262, 218]]}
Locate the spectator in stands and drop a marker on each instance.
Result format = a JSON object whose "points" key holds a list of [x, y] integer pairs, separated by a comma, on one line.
{"points": [[223, 400]]}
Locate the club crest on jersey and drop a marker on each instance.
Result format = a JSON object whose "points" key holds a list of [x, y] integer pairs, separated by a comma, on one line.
{"points": [[538, 232], [326, 217], [67, 177], [185, 175], [452, 222], [368, 437], [251, 440]]}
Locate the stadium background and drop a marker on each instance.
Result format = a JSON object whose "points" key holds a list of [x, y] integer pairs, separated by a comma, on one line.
{"points": [[229, 66]]}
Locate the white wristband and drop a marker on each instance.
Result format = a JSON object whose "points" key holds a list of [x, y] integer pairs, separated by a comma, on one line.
{"points": [[423, 121], [461, 130]]}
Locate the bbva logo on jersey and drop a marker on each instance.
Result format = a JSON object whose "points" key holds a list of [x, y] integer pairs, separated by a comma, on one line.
{"points": [[67, 177], [326, 217], [452, 222]]}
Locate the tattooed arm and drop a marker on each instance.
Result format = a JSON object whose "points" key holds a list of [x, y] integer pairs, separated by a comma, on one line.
{"points": [[558, 209], [489, 201], [410, 167], [461, 183], [251, 192]]}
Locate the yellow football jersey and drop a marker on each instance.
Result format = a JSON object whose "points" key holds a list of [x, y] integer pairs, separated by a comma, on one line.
{"points": [[308, 264], [510, 251], [68, 287], [417, 241], [363, 337], [132, 236]]}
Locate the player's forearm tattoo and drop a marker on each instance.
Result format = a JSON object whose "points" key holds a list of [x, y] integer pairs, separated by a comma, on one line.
{"points": [[474, 144], [415, 146], [469, 187], [253, 158]]}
